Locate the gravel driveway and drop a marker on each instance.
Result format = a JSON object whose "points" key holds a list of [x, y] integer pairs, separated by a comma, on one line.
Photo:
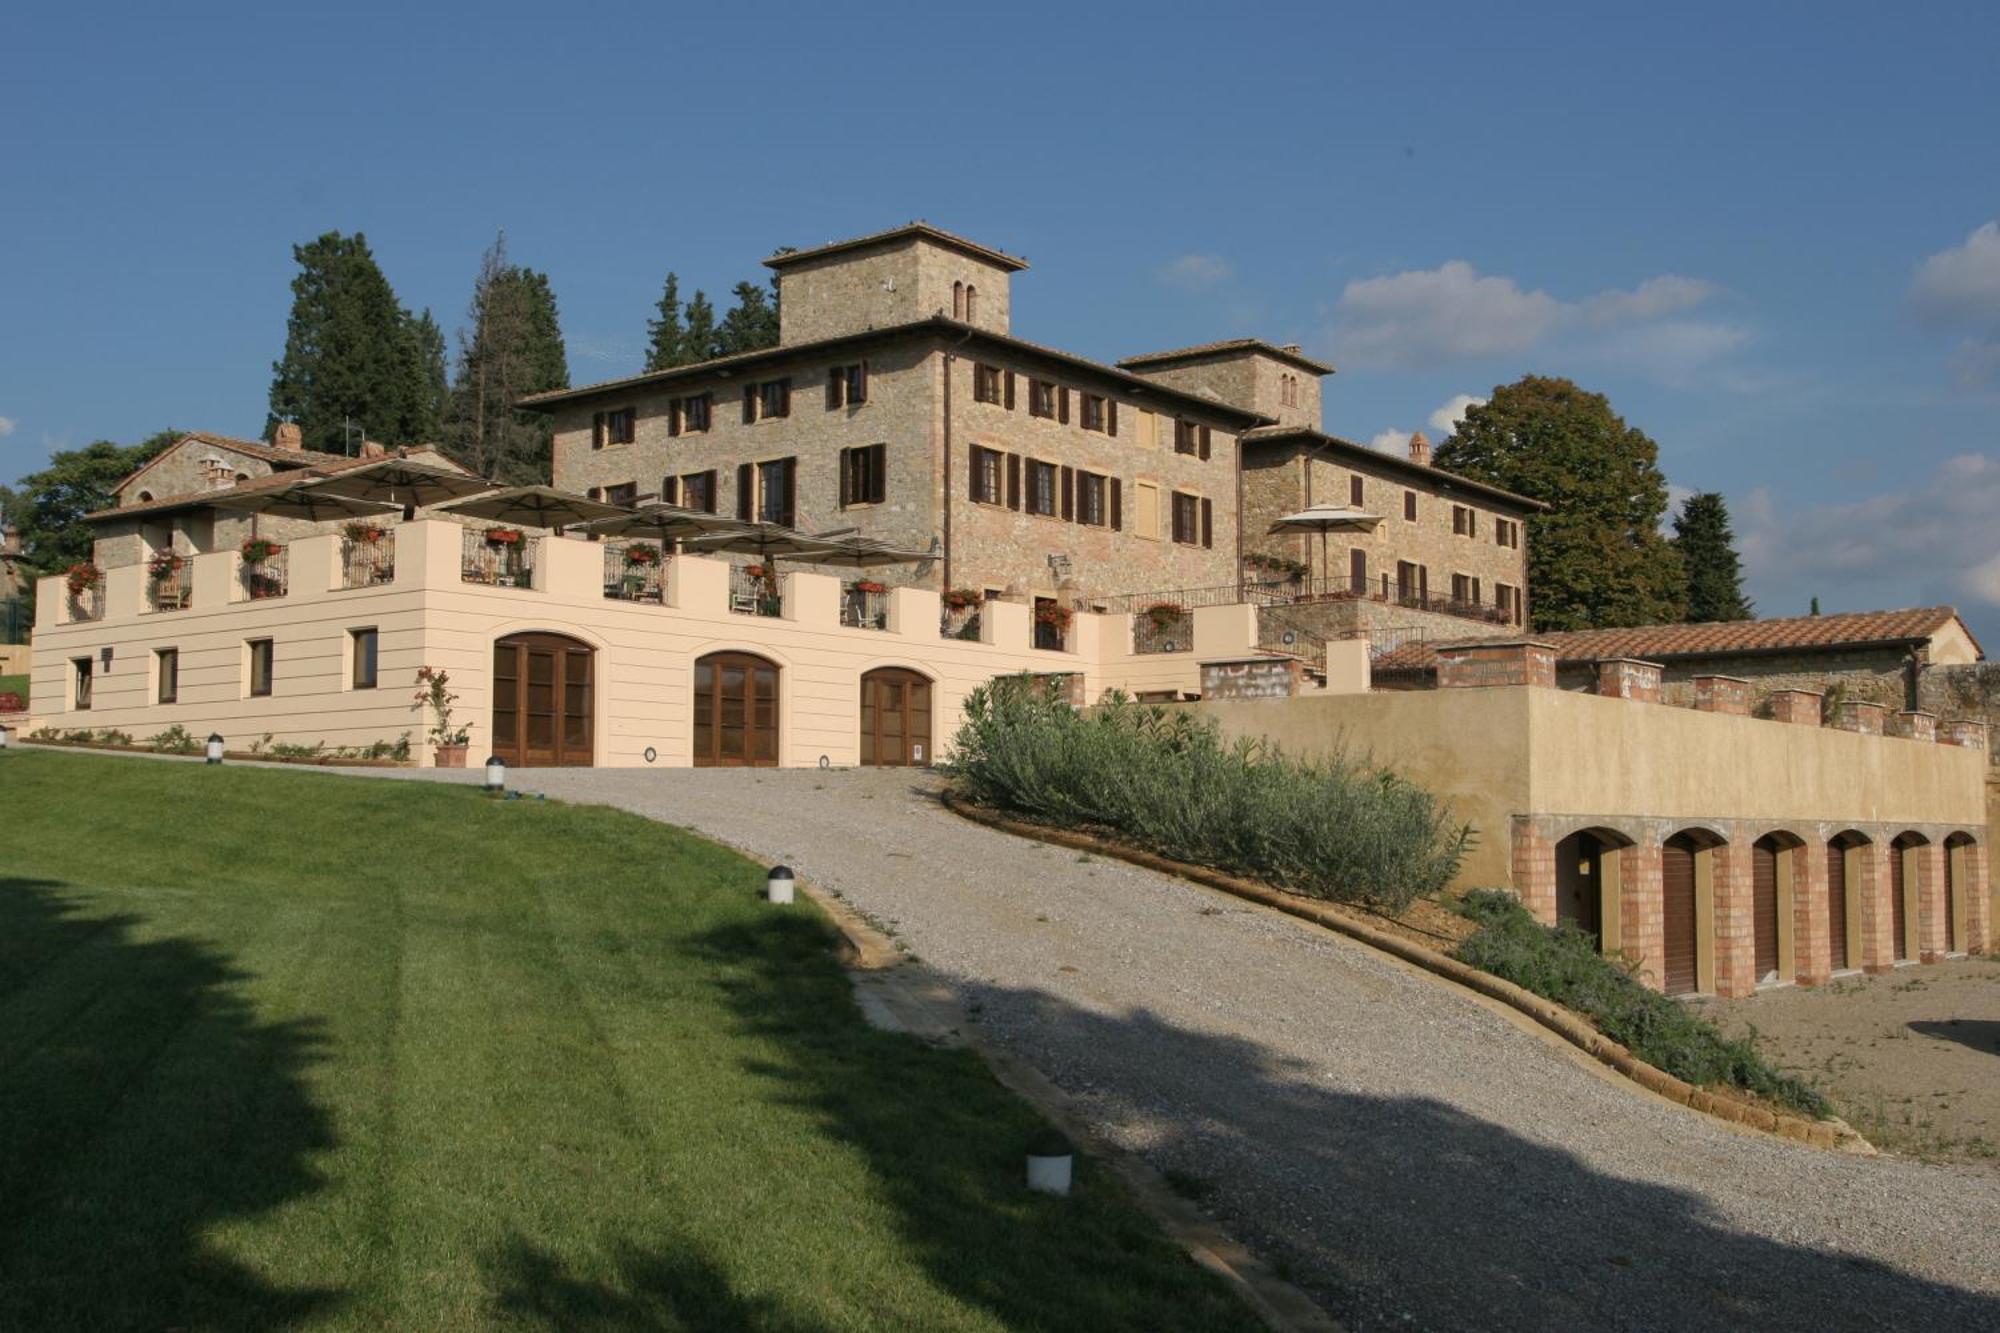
{"points": [[1409, 1157]]}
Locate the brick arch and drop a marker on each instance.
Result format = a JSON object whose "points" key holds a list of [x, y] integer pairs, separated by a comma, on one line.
{"points": [[1969, 908]]}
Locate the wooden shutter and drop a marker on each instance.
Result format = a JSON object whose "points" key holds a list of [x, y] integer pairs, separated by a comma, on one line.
{"points": [[1010, 391], [597, 431], [1354, 491], [708, 495], [835, 380], [1069, 494], [749, 403], [846, 467], [975, 481], [790, 513], [1207, 523], [1013, 481], [860, 386], [785, 396], [1111, 415], [670, 490], [1117, 506], [1062, 404], [878, 478], [673, 418], [1204, 444], [745, 487], [1357, 570]]}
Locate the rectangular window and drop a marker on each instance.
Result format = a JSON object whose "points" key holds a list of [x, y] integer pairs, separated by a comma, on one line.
{"points": [[690, 415], [698, 491], [986, 469], [1461, 588], [1412, 583], [1186, 437], [1507, 601], [365, 642], [1464, 521], [776, 497], [1410, 506], [1041, 488], [766, 401], [261, 659], [1356, 490], [624, 493], [1146, 510], [85, 671], [847, 386], [1093, 412], [1187, 519], [168, 668], [863, 475], [1357, 569], [618, 426], [1506, 532], [986, 384], [1091, 506], [1041, 398]]}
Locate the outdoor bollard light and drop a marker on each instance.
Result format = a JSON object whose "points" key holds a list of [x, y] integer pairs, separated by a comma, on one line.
{"points": [[778, 888], [1050, 1163], [3, 738], [214, 747], [496, 775]]}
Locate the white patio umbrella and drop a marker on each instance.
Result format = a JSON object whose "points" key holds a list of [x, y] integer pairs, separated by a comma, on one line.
{"points": [[300, 500], [535, 507], [1324, 518], [403, 482], [663, 522]]}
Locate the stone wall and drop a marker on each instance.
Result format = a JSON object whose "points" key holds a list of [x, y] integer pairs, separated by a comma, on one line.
{"points": [[1971, 690], [898, 283], [1248, 379]]}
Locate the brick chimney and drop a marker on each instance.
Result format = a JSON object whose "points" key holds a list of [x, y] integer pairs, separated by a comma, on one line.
{"points": [[288, 435], [1420, 450]]}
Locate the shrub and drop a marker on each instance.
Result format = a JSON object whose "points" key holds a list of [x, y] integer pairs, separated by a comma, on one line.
{"points": [[174, 740], [1561, 963], [1165, 780]]}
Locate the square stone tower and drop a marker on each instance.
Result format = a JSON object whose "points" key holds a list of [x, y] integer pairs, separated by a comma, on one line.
{"points": [[892, 277]]}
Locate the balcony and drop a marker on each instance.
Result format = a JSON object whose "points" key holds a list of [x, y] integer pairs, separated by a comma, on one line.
{"points": [[267, 577], [86, 604], [864, 605], [498, 557], [635, 571], [367, 556], [959, 622], [754, 593], [169, 583], [1163, 627], [1051, 622]]}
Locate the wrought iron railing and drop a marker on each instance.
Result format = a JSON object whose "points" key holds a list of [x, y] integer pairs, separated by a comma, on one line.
{"points": [[86, 605], [174, 592], [265, 578], [635, 571], [1163, 628], [864, 608], [368, 561], [1294, 591], [498, 557], [754, 594], [959, 622], [1292, 641]]}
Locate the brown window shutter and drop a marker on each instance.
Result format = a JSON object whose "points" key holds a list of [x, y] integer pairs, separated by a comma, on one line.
{"points": [[975, 473], [1207, 523], [710, 502], [785, 396], [745, 485], [835, 379], [1117, 505], [860, 394], [1204, 444], [1010, 391], [597, 431], [1013, 481], [1111, 416], [791, 492], [1062, 405], [749, 403], [674, 418], [846, 471], [881, 491], [1355, 491], [1068, 483], [670, 490]]}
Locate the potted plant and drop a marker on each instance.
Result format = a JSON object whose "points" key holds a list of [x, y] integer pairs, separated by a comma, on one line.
{"points": [[434, 693], [641, 556], [1056, 618], [82, 577], [503, 536], [258, 550], [362, 533], [869, 586], [960, 599], [163, 567], [1163, 616]]}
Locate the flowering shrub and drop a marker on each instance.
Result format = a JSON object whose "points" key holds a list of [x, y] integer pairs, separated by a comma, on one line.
{"points": [[1164, 615], [434, 692], [81, 577], [642, 555], [869, 586], [960, 599], [1057, 617], [503, 536], [164, 566], [363, 532], [256, 550]]}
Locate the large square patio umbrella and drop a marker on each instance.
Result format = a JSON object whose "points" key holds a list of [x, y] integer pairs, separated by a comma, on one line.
{"points": [[1324, 518], [403, 482], [535, 507], [664, 523], [300, 499]]}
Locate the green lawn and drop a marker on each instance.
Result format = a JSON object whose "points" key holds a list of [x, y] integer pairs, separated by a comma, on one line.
{"points": [[289, 1049], [15, 685]]}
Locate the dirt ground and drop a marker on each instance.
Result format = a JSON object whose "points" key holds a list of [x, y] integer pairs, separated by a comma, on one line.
{"points": [[1911, 1058]]}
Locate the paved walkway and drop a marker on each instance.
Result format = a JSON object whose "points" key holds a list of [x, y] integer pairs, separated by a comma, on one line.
{"points": [[1410, 1157]]}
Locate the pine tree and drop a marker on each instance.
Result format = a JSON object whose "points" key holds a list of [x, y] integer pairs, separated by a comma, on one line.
{"points": [[667, 334], [698, 340], [1708, 554], [1597, 557], [750, 325], [436, 385], [512, 347], [352, 354], [1815, 607]]}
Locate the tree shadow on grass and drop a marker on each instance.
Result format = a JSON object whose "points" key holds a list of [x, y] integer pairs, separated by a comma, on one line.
{"points": [[667, 1289], [141, 1104]]}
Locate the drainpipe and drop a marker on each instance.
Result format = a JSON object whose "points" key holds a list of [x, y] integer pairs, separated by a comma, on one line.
{"points": [[950, 356]]}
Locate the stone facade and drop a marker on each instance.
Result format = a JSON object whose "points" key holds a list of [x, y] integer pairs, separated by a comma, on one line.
{"points": [[1722, 694], [1277, 382], [1629, 678], [1253, 678], [897, 277]]}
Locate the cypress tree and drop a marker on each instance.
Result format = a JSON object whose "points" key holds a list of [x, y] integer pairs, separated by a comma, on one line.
{"points": [[1597, 557], [352, 354], [436, 386], [1708, 554], [750, 325], [512, 347], [698, 340], [667, 335]]}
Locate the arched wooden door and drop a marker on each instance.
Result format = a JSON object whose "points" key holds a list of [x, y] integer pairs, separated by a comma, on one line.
{"points": [[735, 711], [895, 718], [1836, 903], [1899, 914], [544, 701], [1680, 971], [1579, 882], [1764, 907]]}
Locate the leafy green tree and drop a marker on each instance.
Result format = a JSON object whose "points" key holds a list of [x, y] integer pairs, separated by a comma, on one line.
{"points": [[666, 333], [436, 381], [1708, 554], [698, 340], [750, 325], [47, 507], [352, 354], [1597, 557], [513, 347]]}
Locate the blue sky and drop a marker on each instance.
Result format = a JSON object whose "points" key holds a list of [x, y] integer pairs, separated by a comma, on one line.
{"points": [[1771, 237]]}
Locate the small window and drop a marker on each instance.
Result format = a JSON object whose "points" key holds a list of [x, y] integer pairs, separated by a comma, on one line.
{"points": [[1041, 398], [767, 400], [1506, 532], [847, 386], [85, 671], [1093, 412], [168, 668], [1357, 489], [625, 493], [971, 303], [1187, 519], [690, 415], [864, 475], [987, 483], [1186, 437], [698, 491], [958, 300], [365, 644], [1410, 506], [618, 426], [775, 478], [1091, 507], [261, 658], [986, 384], [1041, 488], [1464, 521]]}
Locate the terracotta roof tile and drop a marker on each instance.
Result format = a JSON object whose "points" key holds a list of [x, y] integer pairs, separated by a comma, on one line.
{"points": [[1012, 263], [1202, 351], [321, 465], [1725, 638]]}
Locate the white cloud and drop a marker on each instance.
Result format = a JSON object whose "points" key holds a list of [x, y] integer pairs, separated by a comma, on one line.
{"points": [[1676, 497], [6, 427], [1430, 317], [1391, 441], [1196, 272], [1976, 363], [1452, 411], [1961, 285], [1934, 542]]}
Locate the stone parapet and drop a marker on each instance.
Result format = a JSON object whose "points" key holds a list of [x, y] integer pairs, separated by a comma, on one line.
{"points": [[1629, 678], [1501, 662], [1722, 694], [1799, 706], [1913, 724], [1253, 678]]}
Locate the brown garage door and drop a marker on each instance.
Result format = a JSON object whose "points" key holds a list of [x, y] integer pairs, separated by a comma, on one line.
{"points": [[1764, 907], [735, 711], [1836, 902], [1677, 889], [1899, 917], [895, 718], [543, 709]]}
